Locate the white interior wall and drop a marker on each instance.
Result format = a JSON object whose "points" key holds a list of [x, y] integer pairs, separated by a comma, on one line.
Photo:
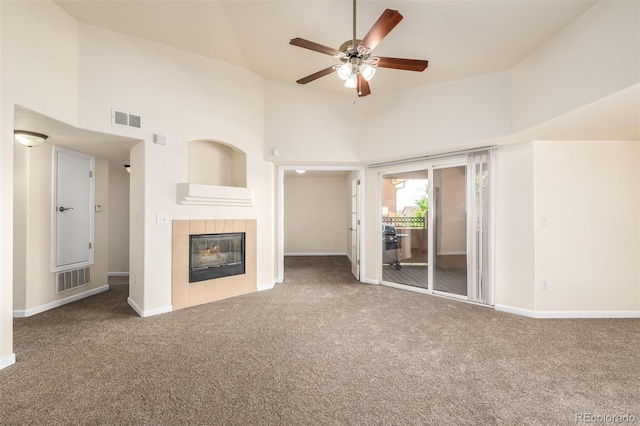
{"points": [[514, 233], [101, 232], [118, 208], [7, 357], [307, 126], [438, 118], [34, 283], [20, 205], [137, 200], [597, 55], [589, 250], [51, 89], [183, 97], [315, 219], [39, 278]]}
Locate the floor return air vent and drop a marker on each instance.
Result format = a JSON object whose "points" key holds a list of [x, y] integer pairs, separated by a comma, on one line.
{"points": [[74, 278]]}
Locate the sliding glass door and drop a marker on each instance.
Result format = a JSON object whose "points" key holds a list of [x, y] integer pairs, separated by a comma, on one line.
{"points": [[424, 229], [449, 256], [437, 227], [404, 228]]}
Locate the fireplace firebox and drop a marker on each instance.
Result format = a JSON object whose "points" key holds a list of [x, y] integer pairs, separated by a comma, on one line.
{"points": [[216, 256]]}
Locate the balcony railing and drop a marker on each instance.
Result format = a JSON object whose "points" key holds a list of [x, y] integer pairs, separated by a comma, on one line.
{"points": [[404, 222]]}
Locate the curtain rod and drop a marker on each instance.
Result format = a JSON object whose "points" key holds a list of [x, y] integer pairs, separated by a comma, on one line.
{"points": [[429, 157]]}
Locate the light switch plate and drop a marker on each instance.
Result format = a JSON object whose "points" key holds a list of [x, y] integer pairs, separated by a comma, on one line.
{"points": [[162, 219]]}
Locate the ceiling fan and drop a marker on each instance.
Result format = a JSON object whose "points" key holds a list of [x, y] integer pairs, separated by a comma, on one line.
{"points": [[357, 65]]}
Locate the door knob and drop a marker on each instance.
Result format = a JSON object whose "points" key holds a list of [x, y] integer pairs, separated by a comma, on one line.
{"points": [[63, 209]]}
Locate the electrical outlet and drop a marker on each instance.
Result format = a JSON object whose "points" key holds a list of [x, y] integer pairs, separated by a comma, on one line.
{"points": [[544, 285]]}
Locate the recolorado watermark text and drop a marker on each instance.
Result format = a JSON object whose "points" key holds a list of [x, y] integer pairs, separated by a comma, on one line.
{"points": [[605, 418]]}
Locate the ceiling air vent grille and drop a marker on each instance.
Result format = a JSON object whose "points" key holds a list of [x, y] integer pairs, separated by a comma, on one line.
{"points": [[121, 118]]}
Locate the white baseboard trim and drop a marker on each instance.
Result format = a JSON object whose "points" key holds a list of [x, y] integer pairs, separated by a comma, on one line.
{"points": [[567, 314], [7, 361], [135, 307], [151, 312], [267, 286], [58, 303], [317, 253], [369, 281], [118, 274]]}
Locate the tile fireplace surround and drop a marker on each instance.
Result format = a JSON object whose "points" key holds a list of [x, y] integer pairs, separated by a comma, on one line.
{"points": [[185, 294]]}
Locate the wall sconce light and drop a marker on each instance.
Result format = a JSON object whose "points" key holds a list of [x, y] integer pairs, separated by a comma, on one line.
{"points": [[127, 167], [29, 139]]}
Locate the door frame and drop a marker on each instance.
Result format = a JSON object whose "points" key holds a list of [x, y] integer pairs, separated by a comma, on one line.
{"points": [[280, 211], [354, 233]]}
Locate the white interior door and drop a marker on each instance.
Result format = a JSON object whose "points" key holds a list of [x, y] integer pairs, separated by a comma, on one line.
{"points": [[73, 214], [355, 228]]}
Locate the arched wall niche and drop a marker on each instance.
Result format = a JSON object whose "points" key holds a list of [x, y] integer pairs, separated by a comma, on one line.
{"points": [[212, 162]]}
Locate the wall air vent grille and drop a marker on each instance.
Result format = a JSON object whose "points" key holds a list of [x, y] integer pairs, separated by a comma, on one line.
{"points": [[135, 121], [75, 278], [121, 118]]}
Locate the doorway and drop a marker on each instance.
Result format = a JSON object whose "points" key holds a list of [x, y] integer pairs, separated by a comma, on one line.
{"points": [[312, 221], [41, 271]]}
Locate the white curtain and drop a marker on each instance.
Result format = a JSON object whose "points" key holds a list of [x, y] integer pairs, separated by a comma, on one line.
{"points": [[480, 180]]}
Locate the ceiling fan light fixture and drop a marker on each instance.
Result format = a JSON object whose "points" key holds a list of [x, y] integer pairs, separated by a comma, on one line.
{"points": [[367, 71], [29, 139], [358, 66], [352, 81], [345, 71]]}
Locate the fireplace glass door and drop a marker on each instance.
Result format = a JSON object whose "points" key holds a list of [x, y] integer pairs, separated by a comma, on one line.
{"points": [[215, 256]]}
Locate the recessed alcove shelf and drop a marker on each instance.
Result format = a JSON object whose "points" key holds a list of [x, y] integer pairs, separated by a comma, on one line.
{"points": [[216, 176], [213, 195]]}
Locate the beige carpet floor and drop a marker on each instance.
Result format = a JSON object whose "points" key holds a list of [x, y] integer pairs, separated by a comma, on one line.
{"points": [[319, 349]]}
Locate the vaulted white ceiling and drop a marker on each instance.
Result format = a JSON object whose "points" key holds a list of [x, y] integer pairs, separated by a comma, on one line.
{"points": [[460, 39]]}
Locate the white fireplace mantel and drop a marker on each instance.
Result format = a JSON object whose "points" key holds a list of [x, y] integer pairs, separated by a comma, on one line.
{"points": [[213, 195]]}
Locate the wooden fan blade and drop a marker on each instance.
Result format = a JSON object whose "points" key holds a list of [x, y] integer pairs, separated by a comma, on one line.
{"points": [[383, 26], [363, 86], [403, 64], [316, 75], [306, 44]]}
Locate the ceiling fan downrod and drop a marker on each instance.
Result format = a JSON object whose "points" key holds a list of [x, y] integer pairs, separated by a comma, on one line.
{"points": [[354, 24]]}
